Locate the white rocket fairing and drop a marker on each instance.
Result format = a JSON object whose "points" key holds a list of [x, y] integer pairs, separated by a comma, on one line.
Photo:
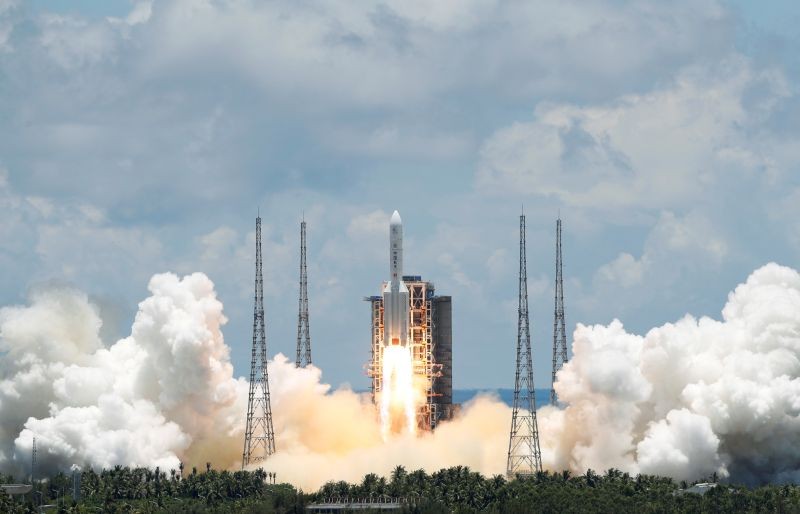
{"points": [[395, 294]]}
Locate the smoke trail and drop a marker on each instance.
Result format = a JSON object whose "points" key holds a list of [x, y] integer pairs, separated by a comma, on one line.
{"points": [[688, 399]]}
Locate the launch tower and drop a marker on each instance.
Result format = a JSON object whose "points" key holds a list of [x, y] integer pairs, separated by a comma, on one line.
{"points": [[259, 438], [524, 454], [559, 324], [303, 335], [421, 320]]}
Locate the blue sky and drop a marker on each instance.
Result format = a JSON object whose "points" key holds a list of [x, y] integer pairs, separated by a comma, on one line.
{"points": [[141, 137]]}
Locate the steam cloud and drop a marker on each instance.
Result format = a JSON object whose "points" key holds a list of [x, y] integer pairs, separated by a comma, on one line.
{"points": [[690, 398], [163, 393], [686, 400]]}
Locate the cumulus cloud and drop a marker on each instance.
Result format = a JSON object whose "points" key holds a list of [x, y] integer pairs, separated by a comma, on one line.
{"points": [[675, 244], [383, 80], [664, 148], [689, 398], [181, 116]]}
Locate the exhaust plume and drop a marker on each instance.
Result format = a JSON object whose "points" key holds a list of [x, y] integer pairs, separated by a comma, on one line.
{"points": [[690, 398], [162, 394], [686, 400], [397, 398]]}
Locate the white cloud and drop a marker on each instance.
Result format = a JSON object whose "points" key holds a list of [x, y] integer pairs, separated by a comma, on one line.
{"points": [[7, 8], [691, 240], [393, 141], [219, 243], [73, 43], [140, 13], [663, 149], [51, 239], [691, 235], [625, 270], [786, 212], [370, 226], [146, 143], [498, 263]]}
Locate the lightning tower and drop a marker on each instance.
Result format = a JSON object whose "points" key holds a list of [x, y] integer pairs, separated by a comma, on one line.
{"points": [[259, 438], [524, 454], [559, 325], [33, 462], [303, 335]]}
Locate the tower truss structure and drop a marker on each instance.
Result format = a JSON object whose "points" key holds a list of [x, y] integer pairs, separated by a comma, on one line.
{"points": [[259, 438], [559, 324], [435, 372], [303, 358], [524, 453], [33, 462]]}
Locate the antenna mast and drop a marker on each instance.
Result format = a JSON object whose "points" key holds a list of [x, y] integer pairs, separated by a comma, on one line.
{"points": [[524, 454], [303, 358], [259, 438], [559, 324]]}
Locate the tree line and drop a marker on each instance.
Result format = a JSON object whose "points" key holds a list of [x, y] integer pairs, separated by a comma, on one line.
{"points": [[456, 489], [141, 490], [461, 490]]}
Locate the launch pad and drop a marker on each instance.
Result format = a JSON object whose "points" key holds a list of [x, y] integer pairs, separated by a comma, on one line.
{"points": [[423, 324]]}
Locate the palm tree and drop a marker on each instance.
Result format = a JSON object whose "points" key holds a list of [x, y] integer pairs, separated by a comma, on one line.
{"points": [[591, 477], [368, 484], [397, 485]]}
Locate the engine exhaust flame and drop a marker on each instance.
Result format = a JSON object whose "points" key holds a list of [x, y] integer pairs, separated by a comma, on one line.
{"points": [[398, 411]]}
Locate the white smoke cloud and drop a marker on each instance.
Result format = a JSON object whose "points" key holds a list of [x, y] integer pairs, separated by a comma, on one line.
{"points": [[686, 400], [162, 394], [689, 398], [322, 436], [166, 393]]}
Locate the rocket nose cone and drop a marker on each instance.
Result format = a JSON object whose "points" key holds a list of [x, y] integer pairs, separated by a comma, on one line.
{"points": [[396, 219]]}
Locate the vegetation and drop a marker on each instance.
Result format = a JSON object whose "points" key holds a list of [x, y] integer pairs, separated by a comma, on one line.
{"points": [[463, 491], [138, 490]]}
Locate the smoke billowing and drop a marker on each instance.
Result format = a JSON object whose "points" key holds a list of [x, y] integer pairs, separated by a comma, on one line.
{"points": [[685, 400], [690, 398], [163, 393]]}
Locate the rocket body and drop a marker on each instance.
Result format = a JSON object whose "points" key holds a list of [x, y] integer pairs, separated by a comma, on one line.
{"points": [[395, 293]]}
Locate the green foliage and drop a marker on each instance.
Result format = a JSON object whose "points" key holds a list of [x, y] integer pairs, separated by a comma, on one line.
{"points": [[461, 491], [141, 490], [453, 490]]}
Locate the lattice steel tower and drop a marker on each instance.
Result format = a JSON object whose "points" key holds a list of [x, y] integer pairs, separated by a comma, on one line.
{"points": [[524, 454], [33, 462], [303, 335], [259, 438], [559, 325]]}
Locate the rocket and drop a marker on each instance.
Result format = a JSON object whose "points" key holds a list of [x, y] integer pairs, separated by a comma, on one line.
{"points": [[395, 293]]}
